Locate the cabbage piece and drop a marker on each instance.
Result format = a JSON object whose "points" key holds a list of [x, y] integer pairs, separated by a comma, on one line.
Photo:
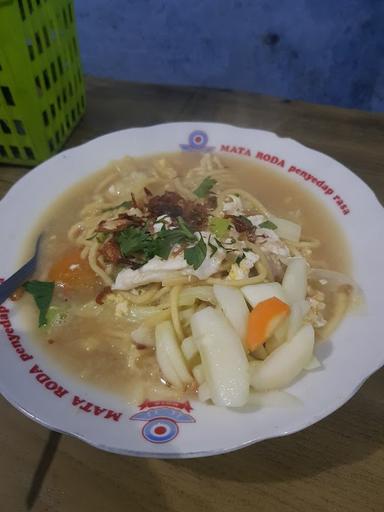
{"points": [[295, 279], [296, 318], [190, 294], [223, 358], [198, 373], [284, 364], [255, 293], [314, 364], [234, 307], [144, 335], [286, 228], [169, 356], [189, 348]]}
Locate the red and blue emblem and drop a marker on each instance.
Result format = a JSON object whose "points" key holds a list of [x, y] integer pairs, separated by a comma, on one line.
{"points": [[197, 141], [162, 419]]}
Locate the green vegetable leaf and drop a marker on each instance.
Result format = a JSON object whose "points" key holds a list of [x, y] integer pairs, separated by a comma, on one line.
{"points": [[267, 224], [124, 204], [138, 241], [219, 226], [166, 239], [134, 240], [185, 229], [42, 292], [195, 255], [204, 187]]}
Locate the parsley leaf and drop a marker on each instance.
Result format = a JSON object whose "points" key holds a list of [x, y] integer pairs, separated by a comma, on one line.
{"points": [[138, 241], [195, 255], [133, 240], [267, 224], [204, 187], [42, 292], [166, 239], [219, 226], [185, 229], [124, 204]]}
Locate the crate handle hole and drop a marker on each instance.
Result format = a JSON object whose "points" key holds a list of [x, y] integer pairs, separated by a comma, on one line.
{"points": [[15, 151], [19, 126], [7, 95], [3, 152], [4, 126], [29, 153]]}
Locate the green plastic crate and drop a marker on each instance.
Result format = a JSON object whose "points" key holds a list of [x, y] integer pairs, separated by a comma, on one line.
{"points": [[41, 82]]}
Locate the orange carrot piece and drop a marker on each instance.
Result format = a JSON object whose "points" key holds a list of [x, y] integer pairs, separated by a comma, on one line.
{"points": [[71, 271], [263, 320]]}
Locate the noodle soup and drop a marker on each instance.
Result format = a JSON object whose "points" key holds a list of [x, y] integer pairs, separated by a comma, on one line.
{"points": [[187, 274]]}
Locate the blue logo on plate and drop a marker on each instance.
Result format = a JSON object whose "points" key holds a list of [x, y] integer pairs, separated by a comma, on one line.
{"points": [[197, 141], [161, 419]]}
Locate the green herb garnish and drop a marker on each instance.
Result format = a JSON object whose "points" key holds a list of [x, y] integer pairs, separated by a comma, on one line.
{"points": [[267, 224], [219, 226], [42, 292], [138, 241], [204, 187], [166, 239], [185, 229], [124, 204], [135, 240], [195, 255]]}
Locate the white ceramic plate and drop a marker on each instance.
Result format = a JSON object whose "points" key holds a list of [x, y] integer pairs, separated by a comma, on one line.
{"points": [[48, 395]]}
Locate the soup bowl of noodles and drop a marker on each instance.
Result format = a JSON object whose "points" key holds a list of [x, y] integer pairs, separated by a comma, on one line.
{"points": [[200, 287]]}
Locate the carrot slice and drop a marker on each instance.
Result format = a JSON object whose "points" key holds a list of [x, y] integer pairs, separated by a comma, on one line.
{"points": [[263, 320], [71, 271]]}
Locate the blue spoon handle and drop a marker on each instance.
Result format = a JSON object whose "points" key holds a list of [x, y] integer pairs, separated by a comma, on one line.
{"points": [[18, 278]]}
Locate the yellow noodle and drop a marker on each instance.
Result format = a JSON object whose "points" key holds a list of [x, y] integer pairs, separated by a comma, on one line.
{"points": [[84, 252], [174, 299], [263, 260], [258, 205], [74, 232], [153, 320], [106, 181], [182, 190], [95, 267], [179, 280], [160, 293], [143, 298], [238, 282], [312, 243]]}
